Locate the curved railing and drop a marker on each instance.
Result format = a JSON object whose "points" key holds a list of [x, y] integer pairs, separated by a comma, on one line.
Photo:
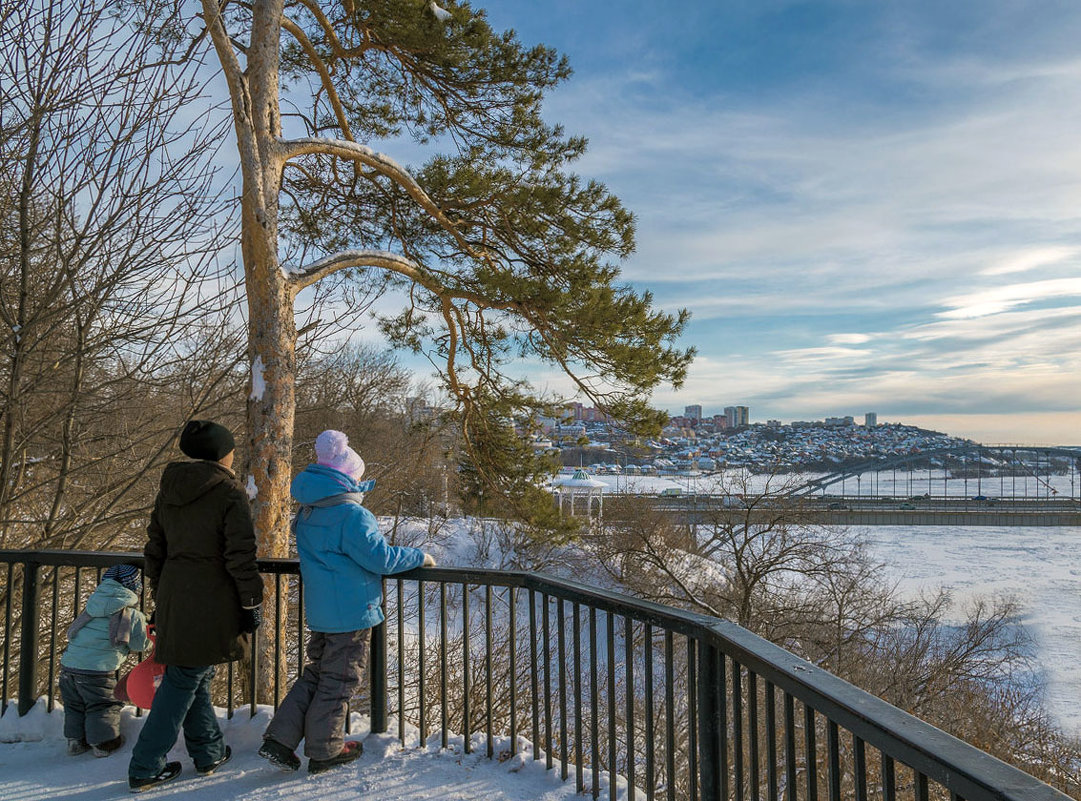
{"points": [[605, 687]]}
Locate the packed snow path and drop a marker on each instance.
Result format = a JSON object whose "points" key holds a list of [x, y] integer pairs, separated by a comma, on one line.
{"points": [[37, 767]]}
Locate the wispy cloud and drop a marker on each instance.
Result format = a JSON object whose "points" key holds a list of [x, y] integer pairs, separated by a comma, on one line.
{"points": [[840, 247]]}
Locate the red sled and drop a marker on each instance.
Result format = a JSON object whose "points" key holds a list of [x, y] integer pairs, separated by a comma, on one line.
{"points": [[139, 684]]}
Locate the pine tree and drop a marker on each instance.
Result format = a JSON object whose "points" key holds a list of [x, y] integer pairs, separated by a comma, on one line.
{"points": [[497, 251]]}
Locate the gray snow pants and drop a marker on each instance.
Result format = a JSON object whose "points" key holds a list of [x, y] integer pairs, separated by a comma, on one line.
{"points": [[91, 712], [315, 707]]}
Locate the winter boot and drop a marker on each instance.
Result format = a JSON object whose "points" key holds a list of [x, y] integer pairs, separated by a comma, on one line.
{"points": [[77, 746], [168, 773], [350, 751], [206, 770], [108, 747], [279, 755]]}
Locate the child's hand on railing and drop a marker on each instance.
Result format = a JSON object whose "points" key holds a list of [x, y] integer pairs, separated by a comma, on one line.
{"points": [[429, 560]]}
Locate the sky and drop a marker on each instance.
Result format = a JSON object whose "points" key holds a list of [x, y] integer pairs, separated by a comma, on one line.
{"points": [[866, 206]]}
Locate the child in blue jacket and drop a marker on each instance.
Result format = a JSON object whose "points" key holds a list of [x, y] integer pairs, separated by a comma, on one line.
{"points": [[343, 558], [109, 628]]}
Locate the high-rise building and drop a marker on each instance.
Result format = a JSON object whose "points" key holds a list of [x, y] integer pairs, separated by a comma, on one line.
{"points": [[694, 412], [870, 420], [737, 416]]}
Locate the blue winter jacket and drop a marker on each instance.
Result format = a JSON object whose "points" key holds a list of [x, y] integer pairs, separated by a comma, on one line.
{"points": [[90, 648], [342, 554]]}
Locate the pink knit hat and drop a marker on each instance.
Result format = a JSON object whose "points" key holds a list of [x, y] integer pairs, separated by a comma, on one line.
{"points": [[332, 450]]}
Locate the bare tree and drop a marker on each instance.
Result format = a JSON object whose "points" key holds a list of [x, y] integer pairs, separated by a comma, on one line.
{"points": [[112, 298]]}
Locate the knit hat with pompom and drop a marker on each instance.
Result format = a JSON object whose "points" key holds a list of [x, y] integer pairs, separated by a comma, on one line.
{"points": [[332, 450]]}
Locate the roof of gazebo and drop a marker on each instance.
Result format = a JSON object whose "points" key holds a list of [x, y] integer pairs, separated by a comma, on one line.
{"points": [[579, 480]]}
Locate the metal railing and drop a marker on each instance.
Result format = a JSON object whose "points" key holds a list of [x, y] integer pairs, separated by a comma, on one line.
{"points": [[626, 695]]}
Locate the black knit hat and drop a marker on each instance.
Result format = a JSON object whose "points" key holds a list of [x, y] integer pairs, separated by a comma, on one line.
{"points": [[202, 439]]}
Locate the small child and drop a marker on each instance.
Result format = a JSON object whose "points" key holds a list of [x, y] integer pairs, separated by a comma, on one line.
{"points": [[110, 628]]}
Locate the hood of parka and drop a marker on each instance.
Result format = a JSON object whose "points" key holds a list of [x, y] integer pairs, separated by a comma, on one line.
{"points": [[183, 483]]}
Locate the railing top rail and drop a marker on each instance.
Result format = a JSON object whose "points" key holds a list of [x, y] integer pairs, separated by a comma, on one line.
{"points": [[958, 766], [58, 558]]}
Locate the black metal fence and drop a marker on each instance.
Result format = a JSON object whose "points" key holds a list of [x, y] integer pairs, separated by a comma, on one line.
{"points": [[629, 697]]}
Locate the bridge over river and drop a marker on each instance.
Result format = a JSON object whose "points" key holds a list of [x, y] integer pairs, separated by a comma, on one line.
{"points": [[883, 511], [970, 485]]}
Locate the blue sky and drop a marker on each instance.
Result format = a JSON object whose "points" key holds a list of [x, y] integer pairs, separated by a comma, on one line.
{"points": [[867, 206]]}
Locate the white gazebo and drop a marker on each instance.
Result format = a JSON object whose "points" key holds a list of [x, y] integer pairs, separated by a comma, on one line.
{"points": [[580, 485]]}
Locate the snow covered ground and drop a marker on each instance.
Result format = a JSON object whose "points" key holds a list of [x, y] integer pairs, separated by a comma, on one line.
{"points": [[1039, 566], [37, 768]]}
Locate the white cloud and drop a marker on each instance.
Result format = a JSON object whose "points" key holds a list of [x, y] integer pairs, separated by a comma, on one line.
{"points": [[1002, 298], [1031, 259]]}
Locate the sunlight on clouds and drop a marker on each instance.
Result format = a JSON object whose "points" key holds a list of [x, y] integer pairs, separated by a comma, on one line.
{"points": [[999, 299], [849, 339], [1031, 259]]}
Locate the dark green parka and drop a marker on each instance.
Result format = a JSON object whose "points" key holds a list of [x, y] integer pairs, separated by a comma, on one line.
{"points": [[200, 562]]}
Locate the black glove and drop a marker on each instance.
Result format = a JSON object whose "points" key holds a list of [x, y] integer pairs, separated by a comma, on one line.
{"points": [[251, 619]]}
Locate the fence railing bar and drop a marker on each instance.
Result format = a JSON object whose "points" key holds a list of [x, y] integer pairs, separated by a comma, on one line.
{"points": [[889, 779], [594, 707], [512, 603], [628, 693], [859, 770], [278, 645], [834, 760], [669, 716], [253, 679], [791, 785], [399, 596], [10, 592], [771, 743], [920, 790], [28, 642], [576, 656], [561, 646], [467, 723], [753, 727], [737, 732], [546, 638], [710, 722], [52, 636], [692, 718], [444, 710], [488, 728], [229, 692], [810, 752], [613, 770], [650, 723], [533, 673], [422, 668]]}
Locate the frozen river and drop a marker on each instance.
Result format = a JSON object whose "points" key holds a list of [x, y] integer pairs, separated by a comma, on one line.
{"points": [[1039, 566]]}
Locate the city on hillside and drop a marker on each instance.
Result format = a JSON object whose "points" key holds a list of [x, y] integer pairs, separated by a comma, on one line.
{"points": [[692, 442]]}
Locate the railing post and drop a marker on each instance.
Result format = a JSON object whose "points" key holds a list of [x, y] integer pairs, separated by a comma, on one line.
{"points": [[378, 662], [28, 647], [709, 722]]}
